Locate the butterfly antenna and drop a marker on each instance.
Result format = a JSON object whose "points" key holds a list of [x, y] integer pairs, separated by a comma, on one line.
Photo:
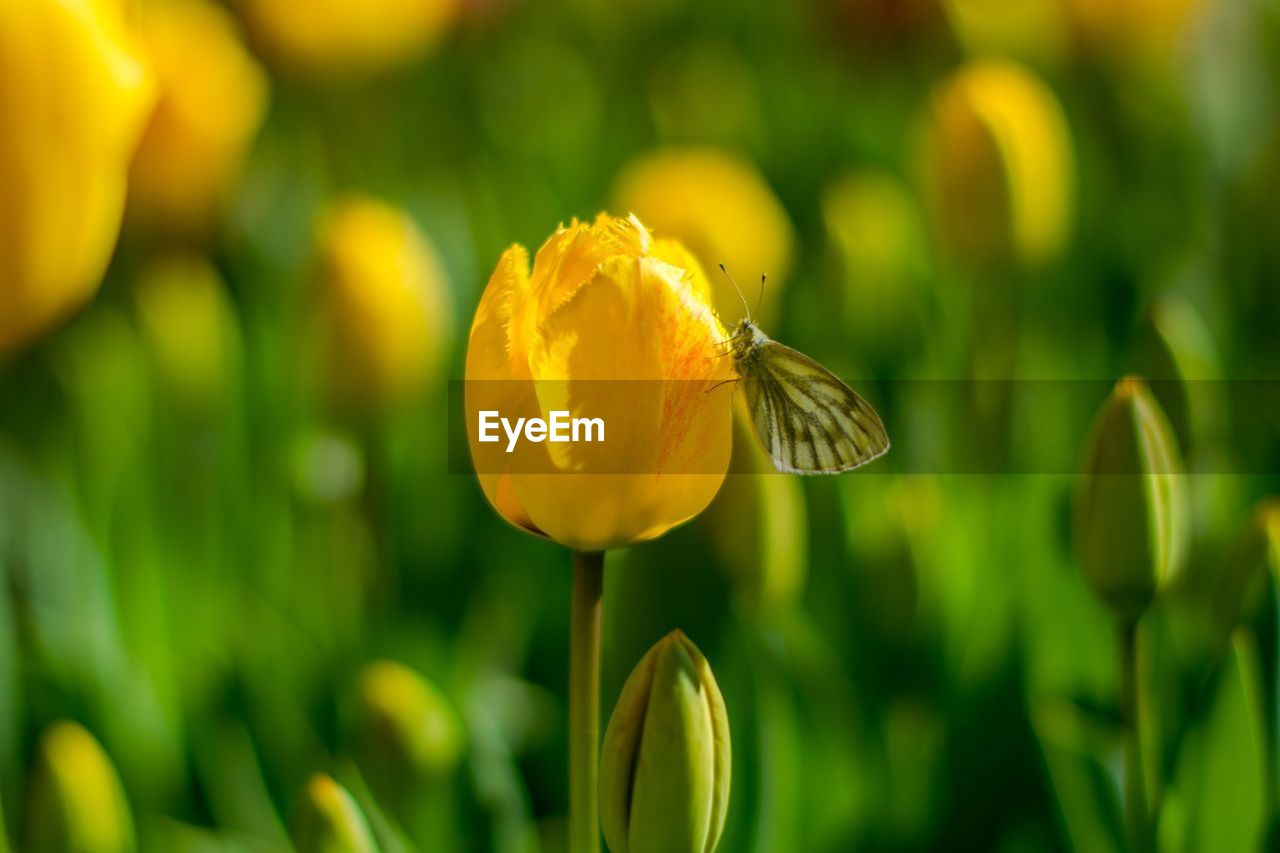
{"points": [[745, 306], [760, 298]]}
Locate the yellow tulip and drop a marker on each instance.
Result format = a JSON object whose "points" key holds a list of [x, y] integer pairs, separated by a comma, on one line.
{"points": [[212, 99], [74, 95], [718, 204], [384, 307], [341, 38], [76, 801], [999, 169], [609, 324]]}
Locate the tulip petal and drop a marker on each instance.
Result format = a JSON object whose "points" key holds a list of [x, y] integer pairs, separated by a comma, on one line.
{"points": [[619, 751], [496, 381], [722, 751], [568, 260], [674, 253]]}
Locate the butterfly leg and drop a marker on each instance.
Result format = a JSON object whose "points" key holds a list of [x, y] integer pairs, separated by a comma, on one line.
{"points": [[723, 382]]}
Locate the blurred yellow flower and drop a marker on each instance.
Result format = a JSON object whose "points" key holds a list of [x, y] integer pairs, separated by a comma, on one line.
{"points": [[74, 95], [874, 227], [610, 324], [718, 204], [998, 166], [76, 803], [212, 99], [385, 310], [406, 722], [328, 820], [341, 38], [189, 327]]}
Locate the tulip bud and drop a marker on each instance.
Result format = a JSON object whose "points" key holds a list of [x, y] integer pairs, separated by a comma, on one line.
{"points": [[874, 227], [212, 99], [190, 328], [1130, 504], [73, 99], [1243, 571], [384, 306], [998, 166], [329, 821], [406, 723], [665, 764], [720, 206], [337, 38], [76, 802]]}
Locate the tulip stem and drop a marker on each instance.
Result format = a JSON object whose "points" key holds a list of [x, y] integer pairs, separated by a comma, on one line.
{"points": [[1135, 799], [584, 702]]}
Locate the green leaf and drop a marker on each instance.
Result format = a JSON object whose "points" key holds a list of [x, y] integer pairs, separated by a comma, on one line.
{"points": [[1076, 747], [1217, 798]]}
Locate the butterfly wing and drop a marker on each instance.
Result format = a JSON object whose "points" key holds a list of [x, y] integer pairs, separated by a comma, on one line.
{"points": [[809, 421]]}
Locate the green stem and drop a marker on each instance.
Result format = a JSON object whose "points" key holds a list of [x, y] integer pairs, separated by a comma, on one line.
{"points": [[584, 702], [1135, 799]]}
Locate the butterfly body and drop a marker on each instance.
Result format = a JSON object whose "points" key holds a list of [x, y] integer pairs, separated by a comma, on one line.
{"points": [[809, 421]]}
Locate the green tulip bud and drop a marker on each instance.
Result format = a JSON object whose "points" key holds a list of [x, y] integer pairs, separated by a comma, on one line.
{"points": [[77, 802], [406, 723], [664, 771], [329, 821], [1130, 503], [1243, 571]]}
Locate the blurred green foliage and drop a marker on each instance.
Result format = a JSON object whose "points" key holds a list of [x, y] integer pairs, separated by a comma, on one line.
{"points": [[201, 553]]}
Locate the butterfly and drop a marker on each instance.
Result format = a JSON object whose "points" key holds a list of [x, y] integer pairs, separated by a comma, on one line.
{"points": [[807, 418]]}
